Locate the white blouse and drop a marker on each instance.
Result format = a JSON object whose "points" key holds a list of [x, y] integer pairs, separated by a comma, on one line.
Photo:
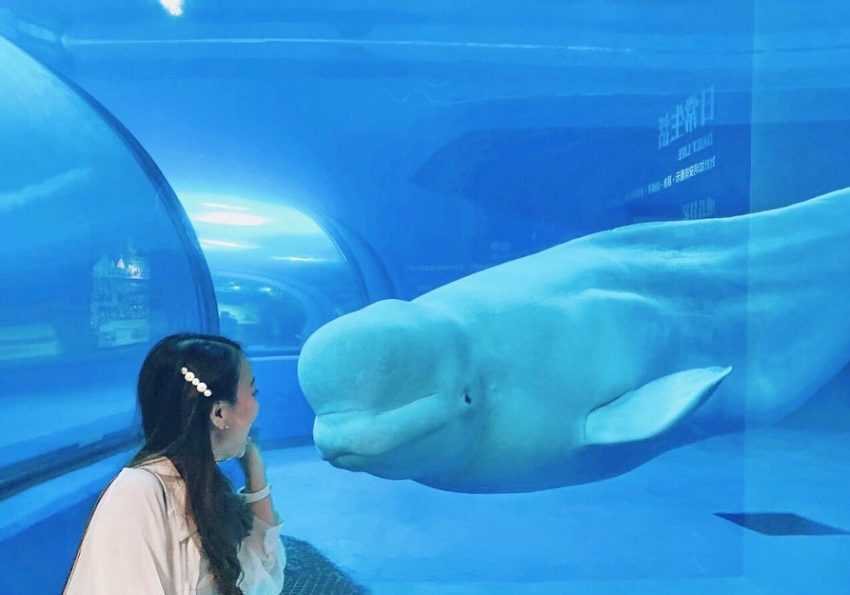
{"points": [[139, 542]]}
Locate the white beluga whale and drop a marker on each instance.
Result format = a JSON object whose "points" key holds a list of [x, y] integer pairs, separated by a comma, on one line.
{"points": [[587, 359]]}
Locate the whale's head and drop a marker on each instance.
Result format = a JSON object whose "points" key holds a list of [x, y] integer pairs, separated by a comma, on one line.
{"points": [[392, 391]]}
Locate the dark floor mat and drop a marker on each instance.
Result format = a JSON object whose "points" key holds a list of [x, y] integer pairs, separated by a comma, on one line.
{"points": [[780, 523], [308, 572]]}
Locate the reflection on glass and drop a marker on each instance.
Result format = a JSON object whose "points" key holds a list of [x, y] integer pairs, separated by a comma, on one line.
{"points": [[278, 275], [97, 261], [120, 300]]}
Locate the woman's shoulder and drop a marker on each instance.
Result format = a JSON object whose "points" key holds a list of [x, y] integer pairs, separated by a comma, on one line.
{"points": [[161, 466], [131, 497], [134, 483], [171, 488], [131, 510]]}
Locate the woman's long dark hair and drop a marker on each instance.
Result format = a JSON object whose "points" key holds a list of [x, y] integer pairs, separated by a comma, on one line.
{"points": [[176, 424]]}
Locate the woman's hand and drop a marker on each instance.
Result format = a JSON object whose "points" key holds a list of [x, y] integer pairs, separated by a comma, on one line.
{"points": [[255, 480], [251, 460]]}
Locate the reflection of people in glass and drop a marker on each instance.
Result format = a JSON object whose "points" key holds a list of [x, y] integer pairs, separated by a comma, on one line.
{"points": [[170, 518]]}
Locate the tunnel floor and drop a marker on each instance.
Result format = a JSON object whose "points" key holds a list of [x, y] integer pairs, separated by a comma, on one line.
{"points": [[658, 529]]}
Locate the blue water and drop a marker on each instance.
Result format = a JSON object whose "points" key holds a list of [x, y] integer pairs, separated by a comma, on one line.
{"points": [[259, 169]]}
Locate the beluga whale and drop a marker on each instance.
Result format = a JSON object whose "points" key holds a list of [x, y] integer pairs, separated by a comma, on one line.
{"points": [[587, 359]]}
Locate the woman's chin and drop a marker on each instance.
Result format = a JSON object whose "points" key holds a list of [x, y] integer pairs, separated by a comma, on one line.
{"points": [[219, 458]]}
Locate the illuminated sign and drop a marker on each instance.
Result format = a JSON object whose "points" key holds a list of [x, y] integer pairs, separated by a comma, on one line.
{"points": [[687, 130], [696, 112]]}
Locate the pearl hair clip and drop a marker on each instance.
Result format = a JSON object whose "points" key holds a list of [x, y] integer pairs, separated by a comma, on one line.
{"points": [[190, 377]]}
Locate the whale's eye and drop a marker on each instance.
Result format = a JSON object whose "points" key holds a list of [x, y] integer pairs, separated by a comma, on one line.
{"points": [[466, 398]]}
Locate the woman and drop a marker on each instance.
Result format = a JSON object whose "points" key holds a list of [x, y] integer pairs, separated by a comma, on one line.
{"points": [[170, 523]]}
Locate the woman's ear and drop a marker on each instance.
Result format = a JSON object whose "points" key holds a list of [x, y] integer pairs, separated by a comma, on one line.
{"points": [[217, 415]]}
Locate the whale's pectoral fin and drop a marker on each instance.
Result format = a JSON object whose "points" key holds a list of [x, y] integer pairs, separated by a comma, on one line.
{"points": [[654, 407]]}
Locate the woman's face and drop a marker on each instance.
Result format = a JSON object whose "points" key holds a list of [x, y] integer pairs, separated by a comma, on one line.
{"points": [[231, 441]]}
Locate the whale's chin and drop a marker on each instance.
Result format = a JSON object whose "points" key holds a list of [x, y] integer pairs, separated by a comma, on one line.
{"points": [[407, 458], [377, 456], [384, 450], [381, 438], [349, 462], [377, 466]]}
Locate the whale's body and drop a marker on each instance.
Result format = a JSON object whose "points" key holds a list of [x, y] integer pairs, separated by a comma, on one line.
{"points": [[587, 359]]}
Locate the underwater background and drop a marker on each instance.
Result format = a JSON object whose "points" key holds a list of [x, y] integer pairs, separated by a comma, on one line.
{"points": [[259, 169]]}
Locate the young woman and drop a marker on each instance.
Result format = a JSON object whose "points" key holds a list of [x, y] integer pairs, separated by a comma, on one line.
{"points": [[170, 523]]}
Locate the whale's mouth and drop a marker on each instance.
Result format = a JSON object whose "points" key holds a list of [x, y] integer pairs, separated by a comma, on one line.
{"points": [[344, 438]]}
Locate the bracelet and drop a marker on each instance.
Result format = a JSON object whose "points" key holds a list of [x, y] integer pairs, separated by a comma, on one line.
{"points": [[250, 497]]}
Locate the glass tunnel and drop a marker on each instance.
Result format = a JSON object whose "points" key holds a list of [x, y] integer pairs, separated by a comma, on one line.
{"points": [[540, 298]]}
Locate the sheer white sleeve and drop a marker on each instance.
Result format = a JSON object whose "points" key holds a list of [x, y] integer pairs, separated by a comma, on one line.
{"points": [[263, 559]]}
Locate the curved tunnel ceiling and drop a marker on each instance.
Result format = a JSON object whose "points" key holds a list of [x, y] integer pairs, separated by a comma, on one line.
{"points": [[612, 40]]}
